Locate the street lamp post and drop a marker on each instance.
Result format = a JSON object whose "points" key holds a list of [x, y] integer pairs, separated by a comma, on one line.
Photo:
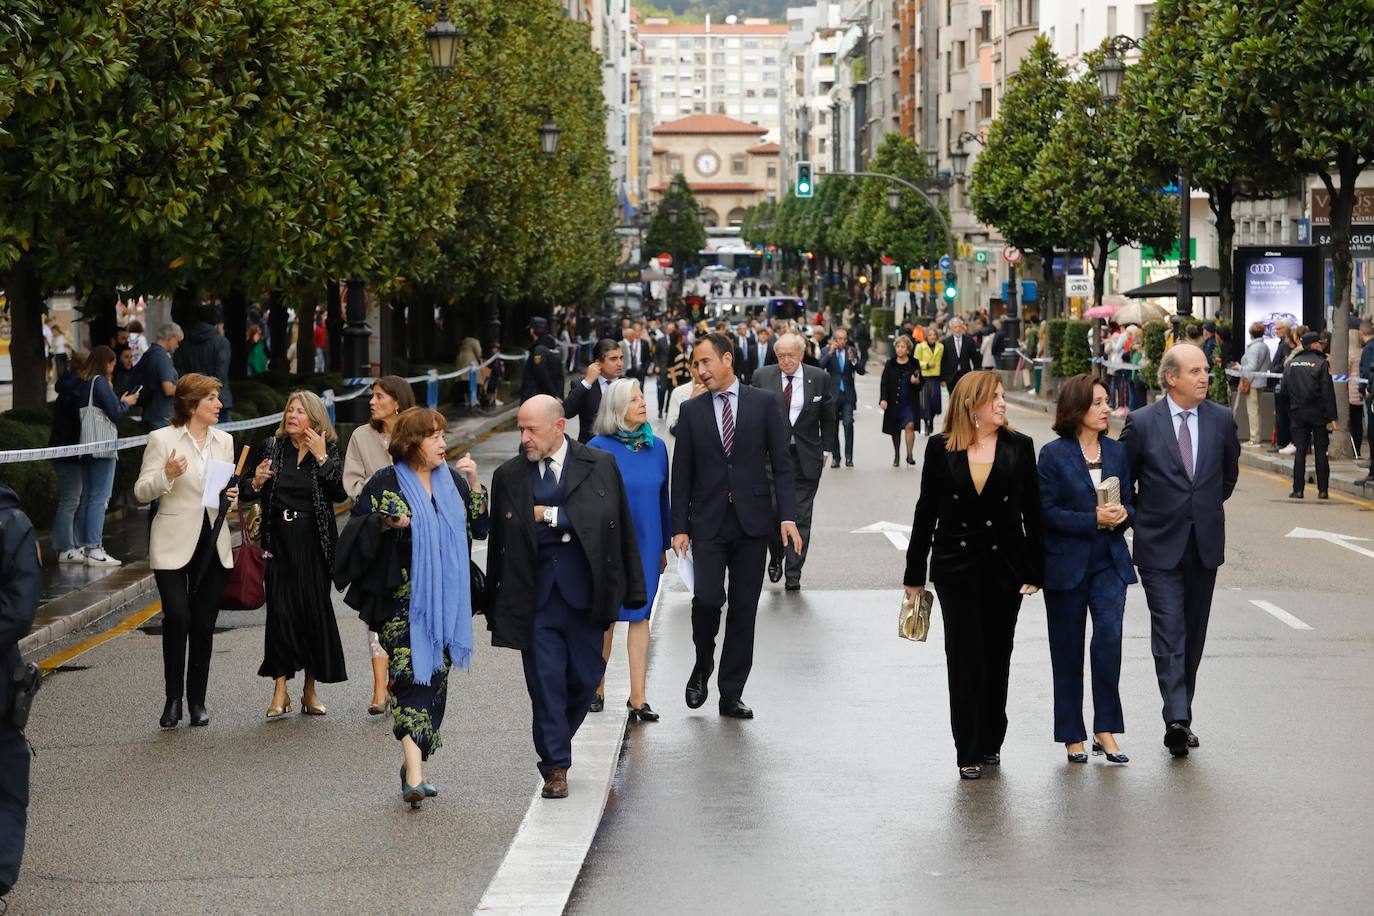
{"points": [[443, 38]]}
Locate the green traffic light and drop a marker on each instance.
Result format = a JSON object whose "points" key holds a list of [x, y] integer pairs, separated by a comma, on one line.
{"points": [[951, 293]]}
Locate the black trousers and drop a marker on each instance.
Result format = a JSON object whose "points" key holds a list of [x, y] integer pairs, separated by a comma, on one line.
{"points": [[1310, 435], [980, 625], [806, 502], [734, 552], [189, 610], [1180, 601], [14, 803], [1282, 433], [1357, 426]]}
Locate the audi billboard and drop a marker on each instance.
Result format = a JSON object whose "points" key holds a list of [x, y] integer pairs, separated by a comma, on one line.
{"points": [[1274, 284]]}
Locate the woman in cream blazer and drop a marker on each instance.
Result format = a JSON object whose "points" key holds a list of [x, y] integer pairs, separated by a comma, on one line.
{"points": [[189, 569]]}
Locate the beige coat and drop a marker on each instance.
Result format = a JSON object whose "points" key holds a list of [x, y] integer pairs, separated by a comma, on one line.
{"points": [[177, 525], [367, 455]]}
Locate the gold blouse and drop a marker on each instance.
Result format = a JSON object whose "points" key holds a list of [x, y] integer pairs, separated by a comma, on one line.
{"points": [[979, 471]]}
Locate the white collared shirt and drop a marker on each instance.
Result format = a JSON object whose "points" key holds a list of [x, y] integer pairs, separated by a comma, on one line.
{"points": [[1176, 415], [798, 396]]}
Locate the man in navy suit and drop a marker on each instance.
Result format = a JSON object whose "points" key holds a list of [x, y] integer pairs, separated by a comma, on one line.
{"points": [[960, 356], [1185, 455], [727, 440], [584, 394], [842, 362]]}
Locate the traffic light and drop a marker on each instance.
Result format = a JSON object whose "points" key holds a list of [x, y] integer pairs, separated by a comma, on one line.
{"points": [[805, 187], [951, 286]]}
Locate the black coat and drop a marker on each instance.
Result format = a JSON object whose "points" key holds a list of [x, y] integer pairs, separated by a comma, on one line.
{"points": [[995, 536], [543, 370], [954, 367], [583, 402], [814, 433], [889, 387], [21, 582], [600, 513]]}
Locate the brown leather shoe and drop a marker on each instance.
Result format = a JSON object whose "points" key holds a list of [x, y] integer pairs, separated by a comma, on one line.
{"points": [[556, 784]]}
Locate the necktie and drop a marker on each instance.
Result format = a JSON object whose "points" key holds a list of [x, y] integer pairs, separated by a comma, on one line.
{"points": [[841, 372], [550, 479], [787, 397], [1185, 442], [727, 424]]}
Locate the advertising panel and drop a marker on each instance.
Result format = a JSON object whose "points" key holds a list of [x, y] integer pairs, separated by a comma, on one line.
{"points": [[1273, 285]]}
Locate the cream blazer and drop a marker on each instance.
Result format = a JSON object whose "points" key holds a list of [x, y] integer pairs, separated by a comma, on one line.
{"points": [[367, 455], [176, 527]]}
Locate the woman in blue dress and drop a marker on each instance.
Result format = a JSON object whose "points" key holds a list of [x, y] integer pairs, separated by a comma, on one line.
{"points": [[622, 428]]}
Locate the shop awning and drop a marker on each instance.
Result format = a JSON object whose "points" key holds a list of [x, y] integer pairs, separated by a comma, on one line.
{"points": [[1206, 282]]}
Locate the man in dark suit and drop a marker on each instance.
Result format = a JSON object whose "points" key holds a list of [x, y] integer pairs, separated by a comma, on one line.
{"points": [[559, 510], [961, 354], [841, 361], [808, 407], [638, 355], [21, 581], [584, 394], [746, 353], [544, 365], [767, 355], [1185, 457], [727, 440]]}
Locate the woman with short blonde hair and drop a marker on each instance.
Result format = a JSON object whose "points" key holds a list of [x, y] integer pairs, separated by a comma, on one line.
{"points": [[299, 478]]}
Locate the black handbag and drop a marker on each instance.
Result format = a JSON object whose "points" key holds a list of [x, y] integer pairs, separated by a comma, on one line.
{"points": [[481, 598]]}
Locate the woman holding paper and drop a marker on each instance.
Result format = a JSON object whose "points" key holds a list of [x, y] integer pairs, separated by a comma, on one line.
{"points": [[1087, 565], [299, 479], [189, 562]]}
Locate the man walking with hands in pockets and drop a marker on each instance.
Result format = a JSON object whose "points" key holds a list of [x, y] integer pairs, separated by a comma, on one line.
{"points": [[727, 439]]}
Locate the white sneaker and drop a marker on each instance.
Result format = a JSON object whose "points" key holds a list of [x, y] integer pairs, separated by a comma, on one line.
{"points": [[75, 555], [96, 556], [1288, 449]]}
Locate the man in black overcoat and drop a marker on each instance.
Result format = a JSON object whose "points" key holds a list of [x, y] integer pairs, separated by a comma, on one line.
{"points": [[561, 564], [21, 582]]}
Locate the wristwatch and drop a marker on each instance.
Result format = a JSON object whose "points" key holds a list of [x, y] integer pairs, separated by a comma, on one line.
{"points": [[549, 515]]}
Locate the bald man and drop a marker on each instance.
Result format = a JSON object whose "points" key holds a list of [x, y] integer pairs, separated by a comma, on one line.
{"points": [[562, 562]]}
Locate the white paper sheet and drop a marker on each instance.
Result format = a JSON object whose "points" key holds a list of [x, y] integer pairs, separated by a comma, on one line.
{"points": [[217, 474], [686, 569]]}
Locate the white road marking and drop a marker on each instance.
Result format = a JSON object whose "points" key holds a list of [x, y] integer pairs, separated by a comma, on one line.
{"points": [[1340, 540], [895, 533], [1279, 614]]}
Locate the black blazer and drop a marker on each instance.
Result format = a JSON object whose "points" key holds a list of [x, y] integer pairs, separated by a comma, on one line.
{"points": [[640, 349], [1167, 504], [704, 479], [583, 402], [830, 362], [747, 359], [599, 512], [814, 433], [890, 387], [996, 536], [326, 489], [953, 368]]}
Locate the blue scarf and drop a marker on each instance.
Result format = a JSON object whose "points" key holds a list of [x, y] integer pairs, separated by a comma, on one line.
{"points": [[637, 439], [440, 592]]}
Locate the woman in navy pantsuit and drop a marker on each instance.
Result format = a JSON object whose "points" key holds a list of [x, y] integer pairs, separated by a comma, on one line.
{"points": [[1087, 565]]}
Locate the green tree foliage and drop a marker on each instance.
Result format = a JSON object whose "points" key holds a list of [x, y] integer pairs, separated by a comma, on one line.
{"points": [[912, 234], [1002, 172], [676, 228]]}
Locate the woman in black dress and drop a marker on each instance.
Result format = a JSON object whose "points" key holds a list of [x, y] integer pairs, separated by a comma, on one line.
{"points": [[298, 480], [900, 393]]}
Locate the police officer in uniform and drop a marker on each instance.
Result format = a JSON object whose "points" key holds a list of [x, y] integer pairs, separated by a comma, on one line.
{"points": [[20, 585], [1312, 411], [543, 367]]}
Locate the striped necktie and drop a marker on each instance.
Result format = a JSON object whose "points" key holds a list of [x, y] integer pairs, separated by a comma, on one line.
{"points": [[727, 424]]}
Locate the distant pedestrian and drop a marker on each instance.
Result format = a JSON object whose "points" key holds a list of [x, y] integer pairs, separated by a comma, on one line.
{"points": [[978, 523], [205, 350], [1185, 459], [1312, 412], [1253, 380], [470, 358], [190, 562], [1287, 346], [21, 583], [320, 338], [256, 358], [930, 353], [369, 452], [562, 563], [682, 393], [900, 399], [1365, 378], [59, 350], [585, 394], [298, 479], [842, 363], [960, 355], [543, 367], [622, 428], [155, 377], [138, 341], [1089, 564], [405, 558], [1354, 397]]}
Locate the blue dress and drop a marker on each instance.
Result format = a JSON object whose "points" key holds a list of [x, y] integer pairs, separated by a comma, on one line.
{"points": [[645, 473]]}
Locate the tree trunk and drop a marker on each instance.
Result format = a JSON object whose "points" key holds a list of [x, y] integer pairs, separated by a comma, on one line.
{"points": [[99, 312], [185, 305], [1342, 211], [277, 325], [1100, 269], [1222, 200], [334, 324], [1047, 282], [25, 294], [235, 316]]}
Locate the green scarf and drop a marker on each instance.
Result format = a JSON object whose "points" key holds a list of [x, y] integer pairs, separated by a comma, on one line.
{"points": [[637, 439]]}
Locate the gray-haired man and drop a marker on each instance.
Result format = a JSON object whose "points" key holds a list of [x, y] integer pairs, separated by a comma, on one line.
{"points": [[158, 376]]}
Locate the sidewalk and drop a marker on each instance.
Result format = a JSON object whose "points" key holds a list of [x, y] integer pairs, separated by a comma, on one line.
{"points": [[75, 596], [1345, 475]]}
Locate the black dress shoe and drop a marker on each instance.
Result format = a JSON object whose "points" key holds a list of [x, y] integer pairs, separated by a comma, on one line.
{"points": [[775, 570], [835, 462], [1176, 739], [199, 717], [1322, 494], [1296, 494], [897, 462], [171, 713], [992, 760], [849, 462], [1192, 738], [735, 709], [598, 704], [696, 687]]}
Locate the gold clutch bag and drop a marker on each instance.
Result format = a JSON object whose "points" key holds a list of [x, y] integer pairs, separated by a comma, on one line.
{"points": [[913, 620]]}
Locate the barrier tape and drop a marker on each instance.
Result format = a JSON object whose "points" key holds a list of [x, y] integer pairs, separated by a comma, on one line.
{"points": [[15, 456], [1247, 373]]}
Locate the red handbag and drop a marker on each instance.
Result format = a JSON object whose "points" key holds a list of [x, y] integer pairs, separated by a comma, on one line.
{"points": [[244, 589]]}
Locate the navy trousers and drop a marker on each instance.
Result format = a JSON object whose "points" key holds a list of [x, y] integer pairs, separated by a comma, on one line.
{"points": [[563, 668], [1180, 602], [14, 803], [846, 417], [1102, 594]]}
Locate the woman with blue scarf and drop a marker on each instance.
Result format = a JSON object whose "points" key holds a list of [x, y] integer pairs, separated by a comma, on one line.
{"points": [[622, 428], [405, 557]]}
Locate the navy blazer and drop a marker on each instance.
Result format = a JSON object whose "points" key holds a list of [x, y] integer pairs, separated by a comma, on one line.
{"points": [[830, 362], [1168, 505], [1070, 503], [705, 481]]}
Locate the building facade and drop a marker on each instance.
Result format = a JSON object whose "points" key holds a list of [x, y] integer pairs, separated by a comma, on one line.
{"points": [[729, 164]]}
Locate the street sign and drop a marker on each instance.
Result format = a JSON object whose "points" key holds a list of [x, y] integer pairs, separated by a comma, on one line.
{"points": [[1078, 285], [946, 263], [665, 259], [980, 257], [1011, 255]]}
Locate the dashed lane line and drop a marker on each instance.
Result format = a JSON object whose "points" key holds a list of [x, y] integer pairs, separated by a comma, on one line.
{"points": [[1279, 614]]}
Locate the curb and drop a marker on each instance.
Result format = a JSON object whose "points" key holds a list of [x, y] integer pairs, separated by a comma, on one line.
{"points": [[1260, 461], [129, 584]]}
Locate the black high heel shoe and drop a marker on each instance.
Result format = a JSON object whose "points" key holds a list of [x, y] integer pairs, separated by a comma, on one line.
{"points": [[171, 713], [1079, 757], [910, 460], [1118, 757], [598, 704], [643, 713]]}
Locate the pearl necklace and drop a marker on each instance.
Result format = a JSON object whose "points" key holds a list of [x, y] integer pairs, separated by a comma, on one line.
{"points": [[1086, 459]]}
